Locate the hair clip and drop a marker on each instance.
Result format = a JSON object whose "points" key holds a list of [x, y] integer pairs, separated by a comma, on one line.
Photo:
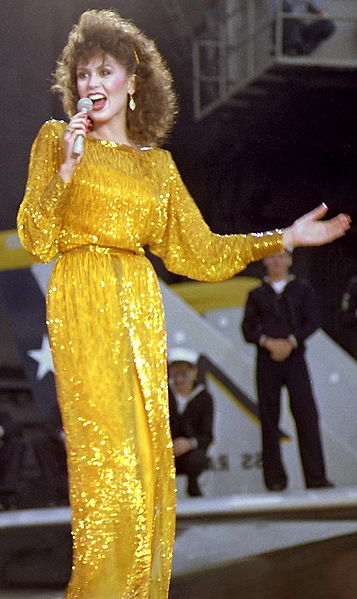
{"points": [[136, 57]]}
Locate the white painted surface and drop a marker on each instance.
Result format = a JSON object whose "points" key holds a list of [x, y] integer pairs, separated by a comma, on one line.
{"points": [[237, 435]]}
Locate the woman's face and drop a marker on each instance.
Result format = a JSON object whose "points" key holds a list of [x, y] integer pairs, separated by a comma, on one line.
{"points": [[105, 81]]}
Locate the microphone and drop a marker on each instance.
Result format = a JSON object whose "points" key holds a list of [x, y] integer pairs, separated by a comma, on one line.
{"points": [[83, 105]]}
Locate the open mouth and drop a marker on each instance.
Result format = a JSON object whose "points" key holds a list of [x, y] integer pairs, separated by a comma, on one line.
{"points": [[98, 100]]}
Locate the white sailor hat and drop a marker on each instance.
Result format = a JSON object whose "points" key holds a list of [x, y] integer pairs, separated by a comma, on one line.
{"points": [[182, 354]]}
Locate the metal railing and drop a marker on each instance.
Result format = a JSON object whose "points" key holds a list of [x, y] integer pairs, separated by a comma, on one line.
{"points": [[239, 52], [242, 47]]}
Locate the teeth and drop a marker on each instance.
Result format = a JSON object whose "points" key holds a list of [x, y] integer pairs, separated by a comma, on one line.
{"points": [[94, 97]]}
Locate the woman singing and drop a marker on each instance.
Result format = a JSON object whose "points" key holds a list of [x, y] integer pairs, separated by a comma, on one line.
{"points": [[95, 211]]}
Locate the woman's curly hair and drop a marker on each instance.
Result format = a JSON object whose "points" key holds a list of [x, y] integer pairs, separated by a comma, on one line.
{"points": [[105, 32]]}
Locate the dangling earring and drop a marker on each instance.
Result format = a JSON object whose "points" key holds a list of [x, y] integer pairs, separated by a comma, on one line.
{"points": [[132, 103]]}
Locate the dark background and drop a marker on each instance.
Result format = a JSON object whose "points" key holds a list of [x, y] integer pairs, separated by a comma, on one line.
{"points": [[250, 168]]}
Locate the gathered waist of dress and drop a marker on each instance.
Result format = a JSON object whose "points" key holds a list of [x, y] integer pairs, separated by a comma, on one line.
{"points": [[100, 249]]}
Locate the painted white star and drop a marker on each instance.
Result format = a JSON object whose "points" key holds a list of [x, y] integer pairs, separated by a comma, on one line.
{"points": [[334, 378], [179, 337], [44, 358]]}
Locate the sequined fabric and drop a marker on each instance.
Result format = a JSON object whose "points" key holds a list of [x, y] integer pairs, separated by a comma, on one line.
{"points": [[107, 335]]}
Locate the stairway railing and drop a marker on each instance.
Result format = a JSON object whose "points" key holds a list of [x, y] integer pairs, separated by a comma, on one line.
{"points": [[239, 47]]}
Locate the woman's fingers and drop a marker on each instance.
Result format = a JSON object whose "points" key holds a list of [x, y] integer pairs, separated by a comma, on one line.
{"points": [[315, 214], [344, 220], [78, 124], [310, 230], [339, 225]]}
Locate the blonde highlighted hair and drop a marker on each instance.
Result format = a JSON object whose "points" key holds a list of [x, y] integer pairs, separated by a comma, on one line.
{"points": [[101, 32]]}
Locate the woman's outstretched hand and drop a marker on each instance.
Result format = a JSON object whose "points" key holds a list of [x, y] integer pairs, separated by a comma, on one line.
{"points": [[310, 230]]}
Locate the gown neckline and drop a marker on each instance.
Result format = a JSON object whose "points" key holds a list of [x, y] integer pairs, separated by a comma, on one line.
{"points": [[122, 146]]}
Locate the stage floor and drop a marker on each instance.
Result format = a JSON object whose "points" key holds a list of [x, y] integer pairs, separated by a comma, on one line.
{"points": [[325, 569], [282, 546]]}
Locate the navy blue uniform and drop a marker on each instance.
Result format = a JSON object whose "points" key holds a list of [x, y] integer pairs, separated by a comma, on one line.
{"points": [[195, 422], [294, 313]]}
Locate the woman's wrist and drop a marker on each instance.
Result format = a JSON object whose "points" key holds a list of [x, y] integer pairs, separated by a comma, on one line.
{"points": [[288, 238], [66, 172]]}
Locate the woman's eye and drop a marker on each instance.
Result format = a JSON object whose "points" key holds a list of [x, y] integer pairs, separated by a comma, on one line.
{"points": [[81, 75], [105, 72]]}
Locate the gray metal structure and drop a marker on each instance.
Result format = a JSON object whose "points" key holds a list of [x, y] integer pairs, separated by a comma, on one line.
{"points": [[238, 48]]}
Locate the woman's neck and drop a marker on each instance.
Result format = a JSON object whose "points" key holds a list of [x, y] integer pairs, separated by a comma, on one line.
{"points": [[118, 133]]}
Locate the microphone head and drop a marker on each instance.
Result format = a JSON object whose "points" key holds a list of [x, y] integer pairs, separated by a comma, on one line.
{"points": [[84, 105]]}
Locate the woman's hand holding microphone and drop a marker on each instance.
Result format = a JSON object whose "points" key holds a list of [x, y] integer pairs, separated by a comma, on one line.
{"points": [[74, 136]]}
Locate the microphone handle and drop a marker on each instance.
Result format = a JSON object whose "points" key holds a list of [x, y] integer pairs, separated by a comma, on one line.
{"points": [[78, 145]]}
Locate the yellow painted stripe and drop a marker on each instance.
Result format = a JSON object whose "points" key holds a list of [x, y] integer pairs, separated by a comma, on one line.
{"points": [[216, 296], [12, 254], [233, 398]]}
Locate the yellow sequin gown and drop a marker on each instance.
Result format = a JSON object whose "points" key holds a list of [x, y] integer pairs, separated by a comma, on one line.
{"points": [[107, 336]]}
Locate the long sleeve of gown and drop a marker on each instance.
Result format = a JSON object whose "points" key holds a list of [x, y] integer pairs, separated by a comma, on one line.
{"points": [[39, 220], [188, 247]]}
